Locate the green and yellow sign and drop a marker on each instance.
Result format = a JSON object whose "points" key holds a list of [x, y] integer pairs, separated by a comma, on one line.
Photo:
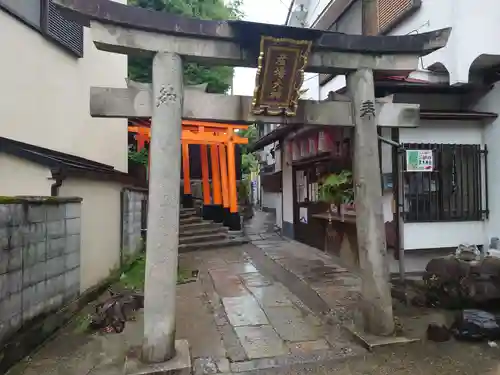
{"points": [[280, 75]]}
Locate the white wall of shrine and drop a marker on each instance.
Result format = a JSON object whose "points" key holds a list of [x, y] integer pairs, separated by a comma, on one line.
{"points": [[46, 102]]}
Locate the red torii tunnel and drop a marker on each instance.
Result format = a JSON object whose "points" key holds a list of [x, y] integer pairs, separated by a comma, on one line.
{"points": [[218, 168]]}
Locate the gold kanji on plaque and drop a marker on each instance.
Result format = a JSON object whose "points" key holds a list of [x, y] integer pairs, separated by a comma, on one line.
{"points": [[280, 75]]}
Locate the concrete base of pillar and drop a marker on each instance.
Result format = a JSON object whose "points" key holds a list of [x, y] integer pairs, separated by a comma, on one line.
{"points": [[214, 212], [187, 201], [179, 365], [232, 220], [372, 342]]}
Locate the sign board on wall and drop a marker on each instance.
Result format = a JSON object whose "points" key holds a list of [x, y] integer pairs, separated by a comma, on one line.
{"points": [[419, 161]]}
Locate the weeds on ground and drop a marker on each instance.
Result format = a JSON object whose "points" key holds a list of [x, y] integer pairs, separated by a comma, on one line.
{"points": [[132, 279]]}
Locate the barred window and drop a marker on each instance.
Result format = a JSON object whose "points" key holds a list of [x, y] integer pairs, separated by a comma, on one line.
{"points": [[67, 33], [452, 190]]}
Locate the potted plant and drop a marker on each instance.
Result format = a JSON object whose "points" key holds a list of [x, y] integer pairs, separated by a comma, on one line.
{"points": [[336, 189]]}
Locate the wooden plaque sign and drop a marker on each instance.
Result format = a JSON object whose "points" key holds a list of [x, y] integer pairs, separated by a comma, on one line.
{"points": [[280, 75]]}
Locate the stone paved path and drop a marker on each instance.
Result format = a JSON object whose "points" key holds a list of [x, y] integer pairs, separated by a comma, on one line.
{"points": [[271, 307], [262, 324], [235, 318]]}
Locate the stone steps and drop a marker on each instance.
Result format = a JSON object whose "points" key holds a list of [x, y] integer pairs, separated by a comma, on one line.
{"points": [[189, 227], [203, 230], [190, 220], [198, 234], [184, 215], [203, 237], [191, 211], [206, 245]]}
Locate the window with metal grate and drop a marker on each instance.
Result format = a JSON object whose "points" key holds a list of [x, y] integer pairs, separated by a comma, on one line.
{"points": [[67, 33], [453, 188]]}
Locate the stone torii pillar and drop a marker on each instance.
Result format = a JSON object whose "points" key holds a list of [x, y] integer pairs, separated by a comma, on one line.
{"points": [[377, 300], [123, 29], [163, 212]]}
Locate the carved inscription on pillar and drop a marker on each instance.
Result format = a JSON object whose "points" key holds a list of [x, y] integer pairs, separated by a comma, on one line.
{"points": [[367, 109], [280, 75], [167, 94]]}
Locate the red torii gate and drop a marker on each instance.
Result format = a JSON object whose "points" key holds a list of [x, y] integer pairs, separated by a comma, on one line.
{"points": [[221, 139]]}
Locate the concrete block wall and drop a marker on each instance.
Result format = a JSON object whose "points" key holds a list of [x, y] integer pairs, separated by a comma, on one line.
{"points": [[39, 258], [132, 219]]}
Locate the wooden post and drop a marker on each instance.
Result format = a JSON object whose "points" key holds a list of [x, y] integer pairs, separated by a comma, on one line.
{"points": [[376, 291], [163, 212], [216, 183], [205, 174], [231, 175], [141, 139], [185, 168], [223, 172]]}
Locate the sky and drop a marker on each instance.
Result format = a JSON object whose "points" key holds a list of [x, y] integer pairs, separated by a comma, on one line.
{"points": [[264, 11]]}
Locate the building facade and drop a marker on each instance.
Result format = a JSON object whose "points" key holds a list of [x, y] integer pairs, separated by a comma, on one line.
{"points": [[459, 94], [48, 66]]}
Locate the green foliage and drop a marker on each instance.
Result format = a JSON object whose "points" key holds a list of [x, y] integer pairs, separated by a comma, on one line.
{"points": [[218, 78], [139, 157], [244, 191], [134, 278], [249, 164], [252, 134], [337, 188]]}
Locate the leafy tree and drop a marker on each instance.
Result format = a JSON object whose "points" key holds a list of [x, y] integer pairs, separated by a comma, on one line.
{"points": [[139, 157], [218, 78], [249, 162]]}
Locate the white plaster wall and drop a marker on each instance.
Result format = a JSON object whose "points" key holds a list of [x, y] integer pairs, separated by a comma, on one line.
{"points": [[311, 83], [21, 177], [100, 230], [269, 199], [443, 234], [351, 22], [490, 102], [46, 97], [462, 132], [436, 235], [315, 9], [335, 84], [475, 29]]}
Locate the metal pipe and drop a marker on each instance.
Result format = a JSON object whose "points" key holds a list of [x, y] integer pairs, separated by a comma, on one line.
{"points": [[389, 142], [397, 173], [54, 188]]}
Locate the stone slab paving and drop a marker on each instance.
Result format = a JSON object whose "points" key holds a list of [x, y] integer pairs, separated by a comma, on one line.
{"points": [[261, 322], [235, 318]]}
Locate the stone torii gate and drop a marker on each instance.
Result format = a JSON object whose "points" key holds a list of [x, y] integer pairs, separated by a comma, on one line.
{"points": [[171, 39]]}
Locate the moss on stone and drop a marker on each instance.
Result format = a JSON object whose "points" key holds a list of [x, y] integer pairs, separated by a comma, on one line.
{"points": [[38, 200]]}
